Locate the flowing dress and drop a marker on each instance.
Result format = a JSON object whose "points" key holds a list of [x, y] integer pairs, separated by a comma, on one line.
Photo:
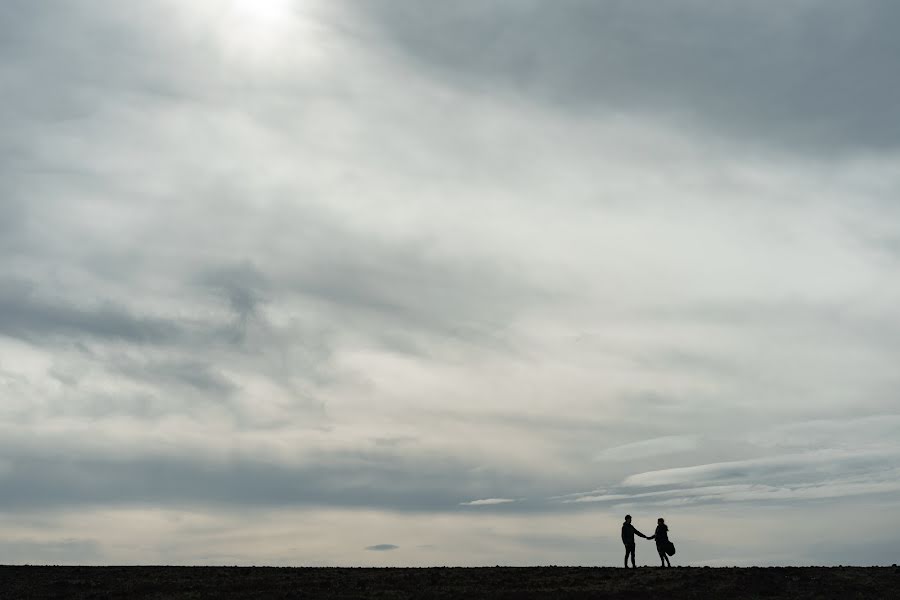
{"points": [[662, 538]]}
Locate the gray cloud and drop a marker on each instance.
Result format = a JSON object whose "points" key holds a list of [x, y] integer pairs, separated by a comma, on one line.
{"points": [[243, 285], [862, 466], [645, 448], [23, 313], [370, 264], [817, 76], [378, 478], [12, 551], [382, 547], [194, 374], [790, 467]]}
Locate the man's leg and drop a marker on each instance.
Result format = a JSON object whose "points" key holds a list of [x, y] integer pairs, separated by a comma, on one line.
{"points": [[632, 557]]}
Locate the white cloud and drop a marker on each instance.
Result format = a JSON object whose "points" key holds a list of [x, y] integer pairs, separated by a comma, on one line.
{"points": [[487, 502]]}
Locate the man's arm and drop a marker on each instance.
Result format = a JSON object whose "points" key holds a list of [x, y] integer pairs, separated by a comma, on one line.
{"points": [[639, 533]]}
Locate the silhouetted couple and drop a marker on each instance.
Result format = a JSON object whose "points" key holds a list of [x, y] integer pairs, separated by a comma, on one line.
{"points": [[664, 547]]}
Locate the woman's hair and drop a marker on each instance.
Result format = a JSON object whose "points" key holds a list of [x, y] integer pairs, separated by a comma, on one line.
{"points": [[660, 520]]}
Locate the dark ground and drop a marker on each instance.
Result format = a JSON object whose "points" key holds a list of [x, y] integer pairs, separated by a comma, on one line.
{"points": [[491, 582]]}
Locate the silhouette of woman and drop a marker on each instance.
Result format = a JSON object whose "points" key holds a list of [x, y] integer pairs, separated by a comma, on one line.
{"points": [[662, 541]]}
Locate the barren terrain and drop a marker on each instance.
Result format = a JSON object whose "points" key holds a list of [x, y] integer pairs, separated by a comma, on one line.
{"points": [[22, 582]]}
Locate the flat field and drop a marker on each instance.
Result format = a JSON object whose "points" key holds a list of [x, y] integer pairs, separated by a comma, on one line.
{"points": [[24, 582]]}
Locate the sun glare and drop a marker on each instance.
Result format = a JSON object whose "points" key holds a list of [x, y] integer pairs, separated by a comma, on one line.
{"points": [[259, 36], [267, 14], [267, 32]]}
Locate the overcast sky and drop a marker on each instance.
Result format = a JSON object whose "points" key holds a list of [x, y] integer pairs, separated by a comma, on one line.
{"points": [[352, 282]]}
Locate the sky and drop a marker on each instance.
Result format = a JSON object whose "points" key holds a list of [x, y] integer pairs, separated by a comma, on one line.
{"points": [[388, 283]]}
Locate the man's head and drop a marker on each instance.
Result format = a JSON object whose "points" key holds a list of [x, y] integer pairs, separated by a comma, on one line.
{"points": [[628, 518]]}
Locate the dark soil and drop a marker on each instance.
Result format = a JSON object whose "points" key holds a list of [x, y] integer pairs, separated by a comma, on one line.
{"points": [[24, 582]]}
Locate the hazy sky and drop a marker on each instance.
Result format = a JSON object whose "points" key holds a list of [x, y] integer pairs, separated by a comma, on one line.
{"points": [[377, 282]]}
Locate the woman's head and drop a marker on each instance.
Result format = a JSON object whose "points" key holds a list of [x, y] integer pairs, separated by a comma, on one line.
{"points": [[661, 521]]}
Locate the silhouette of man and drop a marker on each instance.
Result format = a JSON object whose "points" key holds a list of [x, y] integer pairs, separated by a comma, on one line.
{"points": [[628, 532]]}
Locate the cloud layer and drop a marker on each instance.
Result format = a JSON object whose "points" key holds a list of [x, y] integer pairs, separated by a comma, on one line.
{"points": [[477, 279]]}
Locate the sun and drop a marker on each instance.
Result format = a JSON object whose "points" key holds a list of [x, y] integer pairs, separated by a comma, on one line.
{"points": [[263, 14], [258, 31], [259, 36]]}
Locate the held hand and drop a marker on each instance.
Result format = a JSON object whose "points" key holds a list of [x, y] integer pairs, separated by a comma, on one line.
{"points": [[651, 537]]}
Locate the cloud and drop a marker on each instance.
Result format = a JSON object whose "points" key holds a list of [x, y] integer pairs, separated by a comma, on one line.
{"points": [[442, 268], [828, 433], [814, 77], [22, 314], [382, 547], [53, 552], [745, 493], [863, 465], [783, 466], [646, 448], [487, 502], [194, 374], [133, 459]]}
